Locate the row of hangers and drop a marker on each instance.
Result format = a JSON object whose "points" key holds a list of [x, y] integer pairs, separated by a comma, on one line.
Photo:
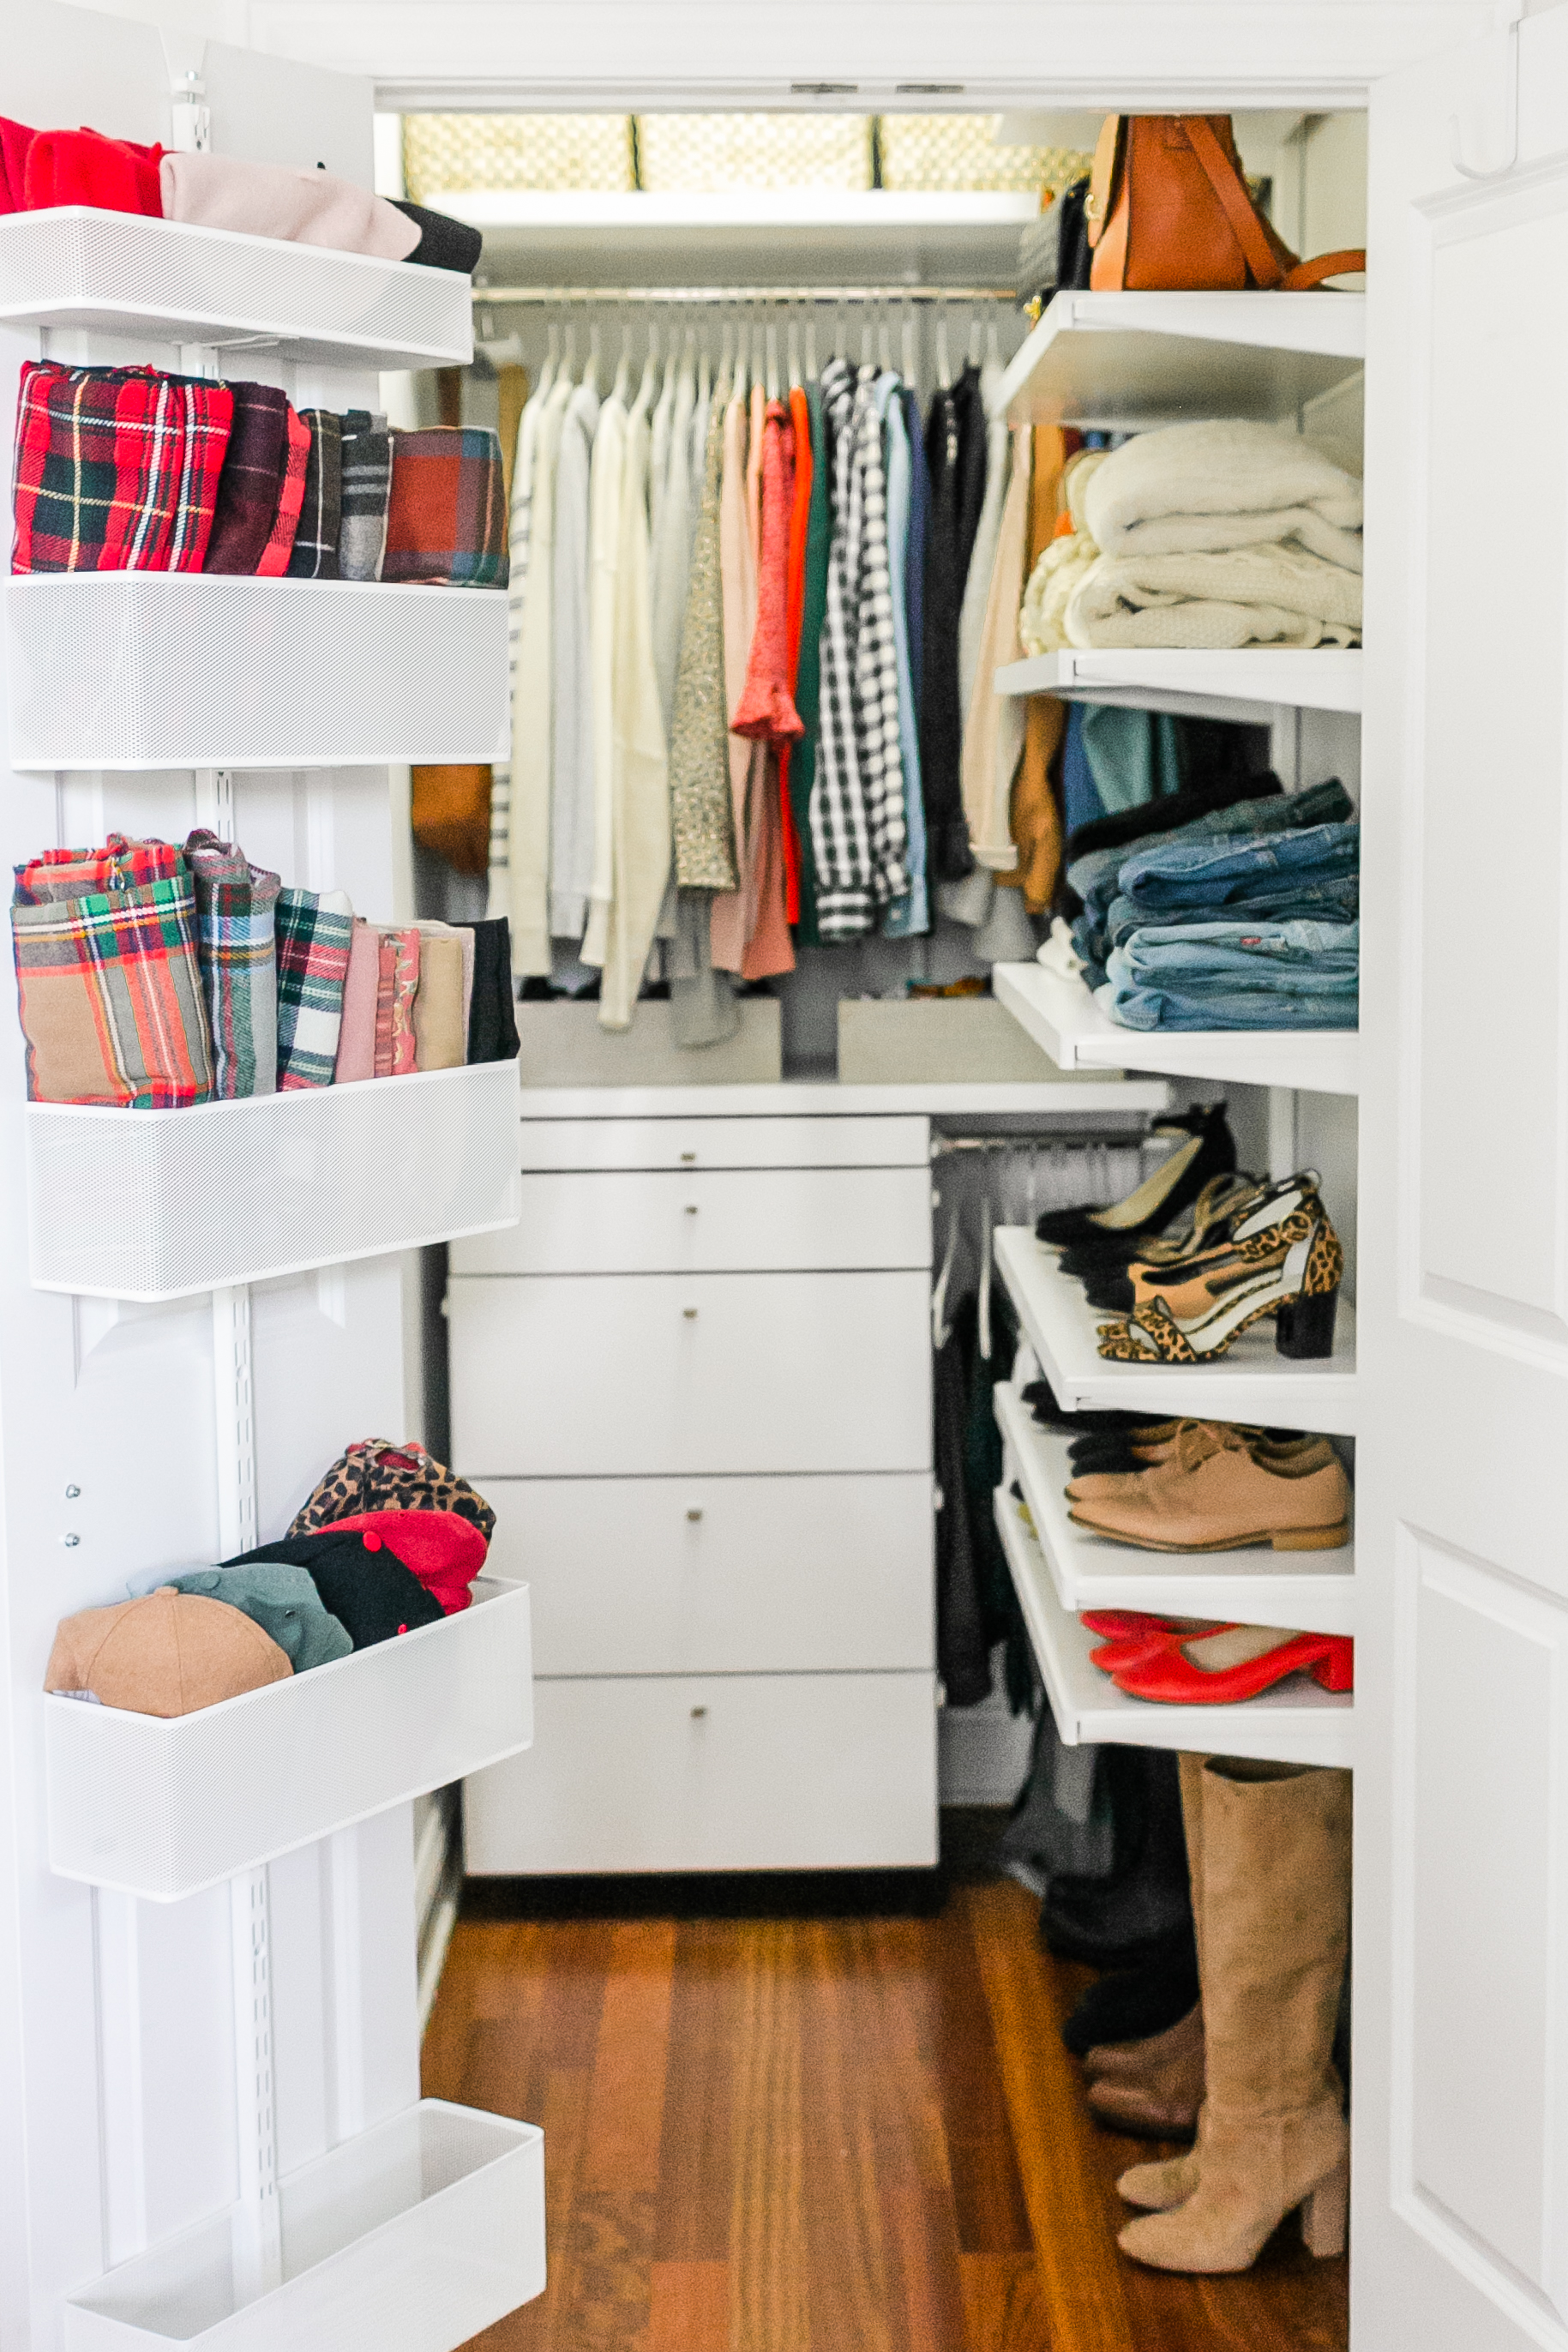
{"points": [[748, 353]]}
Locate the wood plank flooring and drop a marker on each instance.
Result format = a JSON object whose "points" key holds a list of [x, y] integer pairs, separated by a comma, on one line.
{"points": [[822, 2132]]}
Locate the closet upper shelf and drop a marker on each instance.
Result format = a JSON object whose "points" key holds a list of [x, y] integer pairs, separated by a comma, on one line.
{"points": [[1065, 1022], [164, 281], [163, 669], [1253, 1382], [1227, 685], [1123, 363], [1312, 1591], [160, 1204], [1295, 1723]]}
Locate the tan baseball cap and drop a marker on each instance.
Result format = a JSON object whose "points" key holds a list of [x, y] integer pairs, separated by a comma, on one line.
{"points": [[167, 1654]]}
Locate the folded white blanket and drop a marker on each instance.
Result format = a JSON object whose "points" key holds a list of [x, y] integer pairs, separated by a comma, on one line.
{"points": [[270, 200], [1223, 484], [1239, 596]]}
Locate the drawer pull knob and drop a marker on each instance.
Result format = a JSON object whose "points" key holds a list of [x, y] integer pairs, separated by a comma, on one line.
{"points": [[693, 1515], [697, 1714], [691, 1208], [689, 1159], [690, 1313]]}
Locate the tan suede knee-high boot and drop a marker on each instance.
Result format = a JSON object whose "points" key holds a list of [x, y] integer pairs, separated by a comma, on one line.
{"points": [[1275, 1909], [1158, 2186]]}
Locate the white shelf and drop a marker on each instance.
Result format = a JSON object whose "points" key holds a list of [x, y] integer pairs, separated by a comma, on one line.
{"points": [[1065, 1022], [1296, 1722], [157, 1205], [162, 669], [1125, 361], [411, 2237], [1311, 1591], [161, 1806], [164, 281], [1238, 685], [1252, 1382]]}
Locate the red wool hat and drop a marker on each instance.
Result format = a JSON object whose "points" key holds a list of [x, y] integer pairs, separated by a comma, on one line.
{"points": [[445, 1553]]}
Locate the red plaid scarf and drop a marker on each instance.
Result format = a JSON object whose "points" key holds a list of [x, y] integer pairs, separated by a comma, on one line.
{"points": [[120, 864], [116, 468]]}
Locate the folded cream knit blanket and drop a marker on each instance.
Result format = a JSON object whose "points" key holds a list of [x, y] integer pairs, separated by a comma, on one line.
{"points": [[1224, 484], [1238, 596]]}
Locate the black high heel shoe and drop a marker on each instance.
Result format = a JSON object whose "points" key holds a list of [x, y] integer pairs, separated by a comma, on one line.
{"points": [[1209, 1150]]}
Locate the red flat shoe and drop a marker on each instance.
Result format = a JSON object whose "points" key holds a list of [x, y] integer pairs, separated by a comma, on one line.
{"points": [[1133, 1634], [1129, 1624], [1172, 1677]]}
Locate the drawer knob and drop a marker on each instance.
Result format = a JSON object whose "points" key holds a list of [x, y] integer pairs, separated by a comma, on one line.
{"points": [[691, 1208], [698, 1713], [689, 1159], [693, 1515], [690, 1313]]}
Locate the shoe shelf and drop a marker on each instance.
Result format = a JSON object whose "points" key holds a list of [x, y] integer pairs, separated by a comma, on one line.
{"points": [[160, 669], [1295, 1723], [1064, 1021], [1230, 684], [412, 2236], [165, 281], [1315, 1593], [159, 1807], [1252, 1382], [1121, 362], [158, 1204]]}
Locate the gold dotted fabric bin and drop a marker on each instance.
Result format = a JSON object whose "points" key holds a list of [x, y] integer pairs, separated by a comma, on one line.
{"points": [[452, 153], [960, 153], [697, 154]]}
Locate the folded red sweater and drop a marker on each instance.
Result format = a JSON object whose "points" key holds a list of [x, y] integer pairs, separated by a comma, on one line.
{"points": [[80, 167]]}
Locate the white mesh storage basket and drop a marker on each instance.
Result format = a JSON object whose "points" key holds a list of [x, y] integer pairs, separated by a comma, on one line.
{"points": [[126, 274], [158, 669], [411, 2237], [155, 1204], [158, 1806]]}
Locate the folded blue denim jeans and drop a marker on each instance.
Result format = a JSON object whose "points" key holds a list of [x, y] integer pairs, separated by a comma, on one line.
{"points": [[1236, 975], [1292, 899], [1327, 803], [1235, 867]]}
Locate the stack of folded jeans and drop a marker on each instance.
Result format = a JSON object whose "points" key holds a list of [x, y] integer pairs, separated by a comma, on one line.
{"points": [[1244, 918]]}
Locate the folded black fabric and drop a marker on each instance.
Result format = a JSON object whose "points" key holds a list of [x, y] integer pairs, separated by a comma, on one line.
{"points": [[444, 243], [315, 555], [369, 1592], [251, 483], [1169, 813], [491, 1014]]}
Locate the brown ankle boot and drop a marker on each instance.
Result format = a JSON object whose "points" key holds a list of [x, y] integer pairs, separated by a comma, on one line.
{"points": [[1151, 2089], [1157, 2186], [1275, 1912]]}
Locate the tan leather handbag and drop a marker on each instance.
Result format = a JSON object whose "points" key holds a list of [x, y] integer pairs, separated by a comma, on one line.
{"points": [[1169, 207]]}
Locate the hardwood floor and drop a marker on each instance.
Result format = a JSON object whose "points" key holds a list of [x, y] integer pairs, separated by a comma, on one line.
{"points": [[821, 2132]]}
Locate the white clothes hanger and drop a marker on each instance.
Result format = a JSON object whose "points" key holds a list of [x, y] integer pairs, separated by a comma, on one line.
{"points": [[772, 363], [812, 369], [910, 343], [941, 1329], [983, 1299], [742, 384], [568, 361], [624, 372], [551, 363], [590, 372], [644, 403], [943, 362], [884, 345], [993, 345], [865, 345], [974, 338], [796, 378]]}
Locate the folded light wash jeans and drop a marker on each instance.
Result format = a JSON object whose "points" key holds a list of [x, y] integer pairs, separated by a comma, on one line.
{"points": [[1292, 899], [1188, 875], [1290, 975]]}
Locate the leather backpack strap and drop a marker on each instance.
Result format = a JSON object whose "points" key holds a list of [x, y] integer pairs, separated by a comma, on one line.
{"points": [[1325, 265], [1238, 207], [1103, 176]]}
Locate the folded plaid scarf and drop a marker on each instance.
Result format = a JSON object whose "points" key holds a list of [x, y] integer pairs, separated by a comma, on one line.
{"points": [[313, 937], [367, 488], [116, 468], [82, 167], [290, 498], [315, 555], [446, 521], [235, 908], [111, 997], [251, 483], [120, 864], [399, 985]]}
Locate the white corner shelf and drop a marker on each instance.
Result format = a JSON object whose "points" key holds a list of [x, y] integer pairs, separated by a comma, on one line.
{"points": [[1239, 684], [1066, 1024], [166, 669], [161, 1806], [1311, 1591], [75, 265], [1123, 363], [158, 1204], [1296, 1722], [412, 2236], [1252, 1382]]}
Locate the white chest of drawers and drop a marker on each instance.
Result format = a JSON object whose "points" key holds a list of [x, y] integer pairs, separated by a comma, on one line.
{"points": [[695, 1381]]}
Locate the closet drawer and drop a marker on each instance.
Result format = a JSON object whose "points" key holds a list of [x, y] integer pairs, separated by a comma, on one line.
{"points": [[652, 1375], [550, 1143], [747, 1220], [721, 1575], [714, 1772]]}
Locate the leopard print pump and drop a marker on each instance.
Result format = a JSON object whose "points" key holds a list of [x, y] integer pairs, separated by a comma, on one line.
{"points": [[1283, 1259]]}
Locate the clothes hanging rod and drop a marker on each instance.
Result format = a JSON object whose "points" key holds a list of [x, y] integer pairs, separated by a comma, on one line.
{"points": [[825, 295]]}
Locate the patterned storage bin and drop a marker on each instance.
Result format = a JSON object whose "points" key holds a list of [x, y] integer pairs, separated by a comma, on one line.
{"points": [[450, 152], [960, 153], [700, 154]]}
